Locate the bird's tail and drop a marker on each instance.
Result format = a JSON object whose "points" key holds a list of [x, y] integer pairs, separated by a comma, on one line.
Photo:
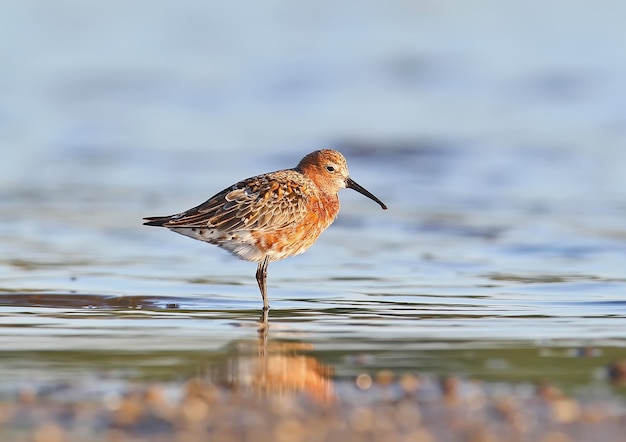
{"points": [[156, 220]]}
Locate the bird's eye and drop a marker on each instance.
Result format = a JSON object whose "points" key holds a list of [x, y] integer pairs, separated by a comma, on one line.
{"points": [[330, 168]]}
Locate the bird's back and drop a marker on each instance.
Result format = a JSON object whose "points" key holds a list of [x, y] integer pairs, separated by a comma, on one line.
{"points": [[279, 214]]}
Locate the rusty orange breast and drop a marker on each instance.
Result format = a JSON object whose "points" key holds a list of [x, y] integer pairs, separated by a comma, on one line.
{"points": [[298, 237]]}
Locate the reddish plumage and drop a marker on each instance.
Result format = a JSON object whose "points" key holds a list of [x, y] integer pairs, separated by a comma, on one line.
{"points": [[271, 216]]}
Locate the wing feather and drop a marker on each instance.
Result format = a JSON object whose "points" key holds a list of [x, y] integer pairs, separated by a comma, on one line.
{"points": [[268, 202]]}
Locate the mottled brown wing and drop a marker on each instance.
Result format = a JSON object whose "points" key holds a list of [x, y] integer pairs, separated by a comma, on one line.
{"points": [[269, 202]]}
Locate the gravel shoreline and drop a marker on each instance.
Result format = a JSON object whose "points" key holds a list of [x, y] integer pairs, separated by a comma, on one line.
{"points": [[382, 407]]}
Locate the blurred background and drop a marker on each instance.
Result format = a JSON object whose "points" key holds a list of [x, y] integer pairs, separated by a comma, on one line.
{"points": [[494, 131], [208, 76]]}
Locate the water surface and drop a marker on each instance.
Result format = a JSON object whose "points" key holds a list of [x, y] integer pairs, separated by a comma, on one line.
{"points": [[498, 152]]}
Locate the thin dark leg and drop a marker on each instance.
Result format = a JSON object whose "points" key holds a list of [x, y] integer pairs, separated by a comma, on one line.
{"points": [[261, 279], [263, 324]]}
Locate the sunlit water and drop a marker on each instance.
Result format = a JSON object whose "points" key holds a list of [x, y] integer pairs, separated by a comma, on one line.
{"points": [[502, 255]]}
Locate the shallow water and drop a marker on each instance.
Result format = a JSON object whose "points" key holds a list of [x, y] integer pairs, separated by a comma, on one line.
{"points": [[447, 281], [501, 256]]}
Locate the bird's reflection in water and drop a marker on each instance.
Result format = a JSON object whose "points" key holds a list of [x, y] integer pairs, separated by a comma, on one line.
{"points": [[276, 368]]}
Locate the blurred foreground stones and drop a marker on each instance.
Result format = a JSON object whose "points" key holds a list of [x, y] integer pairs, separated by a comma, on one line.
{"points": [[371, 407]]}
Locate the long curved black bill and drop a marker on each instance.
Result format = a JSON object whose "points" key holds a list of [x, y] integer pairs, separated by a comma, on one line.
{"points": [[350, 183]]}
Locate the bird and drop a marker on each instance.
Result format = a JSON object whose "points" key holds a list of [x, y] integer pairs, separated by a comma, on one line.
{"points": [[271, 216]]}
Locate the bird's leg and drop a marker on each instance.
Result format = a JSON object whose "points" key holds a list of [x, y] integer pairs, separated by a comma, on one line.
{"points": [[261, 279], [263, 326]]}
